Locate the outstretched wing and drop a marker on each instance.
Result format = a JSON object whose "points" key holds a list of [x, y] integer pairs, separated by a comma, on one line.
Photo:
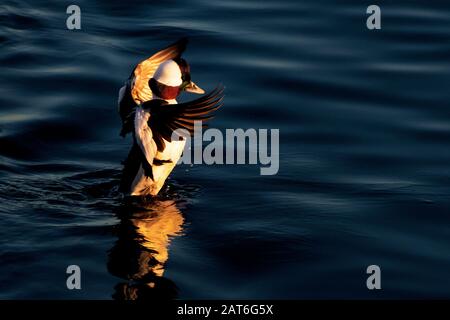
{"points": [[140, 90], [166, 118]]}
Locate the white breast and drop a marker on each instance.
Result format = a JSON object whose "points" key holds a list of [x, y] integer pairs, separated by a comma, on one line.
{"points": [[143, 185], [144, 135]]}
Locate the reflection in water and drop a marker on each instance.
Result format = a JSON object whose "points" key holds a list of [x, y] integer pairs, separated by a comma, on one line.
{"points": [[142, 249]]}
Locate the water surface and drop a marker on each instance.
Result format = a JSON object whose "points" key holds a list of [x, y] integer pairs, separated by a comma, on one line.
{"points": [[364, 173]]}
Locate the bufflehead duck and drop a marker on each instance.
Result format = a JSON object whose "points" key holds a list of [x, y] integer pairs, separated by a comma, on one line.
{"points": [[149, 110]]}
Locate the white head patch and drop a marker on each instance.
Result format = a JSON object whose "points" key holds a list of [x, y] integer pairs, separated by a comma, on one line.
{"points": [[168, 73]]}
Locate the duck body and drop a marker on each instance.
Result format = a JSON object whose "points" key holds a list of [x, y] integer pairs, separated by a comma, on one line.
{"points": [[150, 112], [163, 163]]}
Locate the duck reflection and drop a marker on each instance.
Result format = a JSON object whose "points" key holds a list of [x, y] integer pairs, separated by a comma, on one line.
{"points": [[142, 249]]}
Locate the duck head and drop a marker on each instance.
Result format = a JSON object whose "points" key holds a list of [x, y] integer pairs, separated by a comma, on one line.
{"points": [[188, 85], [172, 77]]}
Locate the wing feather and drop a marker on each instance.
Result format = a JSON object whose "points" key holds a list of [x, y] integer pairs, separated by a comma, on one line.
{"points": [[136, 89], [140, 90], [167, 118]]}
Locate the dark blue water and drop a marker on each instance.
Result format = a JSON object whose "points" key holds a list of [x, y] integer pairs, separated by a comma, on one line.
{"points": [[364, 119]]}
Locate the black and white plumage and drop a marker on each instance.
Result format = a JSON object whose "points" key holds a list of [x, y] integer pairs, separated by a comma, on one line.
{"points": [[153, 119], [165, 118], [136, 89]]}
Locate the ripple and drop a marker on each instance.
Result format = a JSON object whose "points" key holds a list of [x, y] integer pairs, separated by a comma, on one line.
{"points": [[364, 130]]}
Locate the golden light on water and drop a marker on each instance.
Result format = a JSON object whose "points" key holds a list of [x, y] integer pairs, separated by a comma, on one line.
{"points": [[143, 248]]}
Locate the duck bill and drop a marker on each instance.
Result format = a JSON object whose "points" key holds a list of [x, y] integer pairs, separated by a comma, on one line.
{"points": [[193, 88]]}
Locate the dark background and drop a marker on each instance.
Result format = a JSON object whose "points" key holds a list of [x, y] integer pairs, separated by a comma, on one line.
{"points": [[364, 176]]}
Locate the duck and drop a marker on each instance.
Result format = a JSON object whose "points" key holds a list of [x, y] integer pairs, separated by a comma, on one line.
{"points": [[150, 112]]}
